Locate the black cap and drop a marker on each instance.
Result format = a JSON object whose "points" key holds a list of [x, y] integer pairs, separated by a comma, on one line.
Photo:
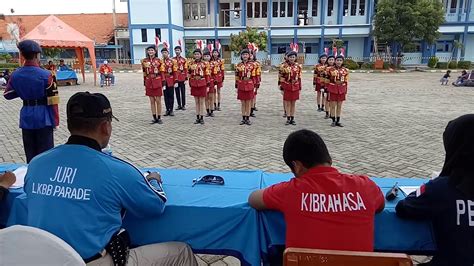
{"points": [[151, 47], [197, 51], [165, 50], [290, 53], [178, 47], [206, 52], [29, 46], [89, 105], [244, 51]]}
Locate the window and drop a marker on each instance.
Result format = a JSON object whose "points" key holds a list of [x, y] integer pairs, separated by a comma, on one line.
{"points": [[444, 46], [330, 7], [302, 7], [264, 9], [315, 8], [195, 11], [281, 49], [249, 9], [158, 33], [202, 10], [187, 11], [144, 36], [282, 9], [353, 7], [275, 9], [346, 8], [257, 10], [236, 7], [362, 8], [290, 8]]}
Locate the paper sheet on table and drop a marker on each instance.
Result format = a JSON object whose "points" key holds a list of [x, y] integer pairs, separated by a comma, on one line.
{"points": [[408, 189], [20, 174]]}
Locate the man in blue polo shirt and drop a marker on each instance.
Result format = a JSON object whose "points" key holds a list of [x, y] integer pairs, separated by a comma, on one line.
{"points": [[80, 194], [34, 85]]}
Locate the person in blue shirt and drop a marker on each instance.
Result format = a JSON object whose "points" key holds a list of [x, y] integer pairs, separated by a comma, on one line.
{"points": [[34, 85], [80, 194], [62, 66], [448, 201]]}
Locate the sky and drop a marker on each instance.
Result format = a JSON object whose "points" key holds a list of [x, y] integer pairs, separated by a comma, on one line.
{"points": [[45, 7]]}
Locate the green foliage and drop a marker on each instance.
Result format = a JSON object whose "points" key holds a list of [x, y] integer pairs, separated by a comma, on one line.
{"points": [[442, 65], [338, 43], [402, 21], [464, 64], [10, 66], [250, 35], [52, 52], [367, 65], [351, 64], [5, 56], [386, 65], [453, 65], [433, 61]]}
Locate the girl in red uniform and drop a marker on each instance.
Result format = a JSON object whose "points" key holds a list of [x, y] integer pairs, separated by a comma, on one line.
{"points": [[154, 80], [199, 82], [245, 78], [211, 90], [339, 76], [290, 82], [258, 78], [330, 64], [218, 77], [319, 81]]}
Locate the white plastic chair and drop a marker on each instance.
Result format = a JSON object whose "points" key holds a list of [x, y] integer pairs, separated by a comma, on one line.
{"points": [[24, 245]]}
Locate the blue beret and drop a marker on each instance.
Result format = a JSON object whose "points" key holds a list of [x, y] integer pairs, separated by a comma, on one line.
{"points": [[29, 46]]}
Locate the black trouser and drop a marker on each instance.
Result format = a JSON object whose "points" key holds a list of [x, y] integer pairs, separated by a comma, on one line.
{"points": [[169, 98], [181, 94], [36, 141]]}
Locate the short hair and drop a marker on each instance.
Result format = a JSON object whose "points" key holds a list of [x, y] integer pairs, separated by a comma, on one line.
{"points": [[307, 147], [29, 56], [85, 125]]}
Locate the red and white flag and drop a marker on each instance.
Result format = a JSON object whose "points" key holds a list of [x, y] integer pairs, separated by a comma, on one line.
{"points": [[218, 45], [179, 43], [157, 41], [210, 47]]}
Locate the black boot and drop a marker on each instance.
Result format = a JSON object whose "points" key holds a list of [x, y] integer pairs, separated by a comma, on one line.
{"points": [[202, 120], [211, 113], [159, 121], [255, 108], [166, 113], [284, 115], [243, 122], [154, 121], [248, 121], [251, 112], [288, 120], [338, 123], [171, 113], [208, 113], [319, 108], [292, 121], [333, 124], [327, 115], [218, 107], [198, 120]]}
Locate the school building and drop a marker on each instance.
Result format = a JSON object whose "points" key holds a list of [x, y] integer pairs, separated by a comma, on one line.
{"points": [[311, 23]]}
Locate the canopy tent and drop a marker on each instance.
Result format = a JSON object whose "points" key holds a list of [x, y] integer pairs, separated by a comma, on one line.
{"points": [[54, 33]]}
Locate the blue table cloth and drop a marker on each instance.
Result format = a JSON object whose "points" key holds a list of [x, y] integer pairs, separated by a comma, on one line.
{"points": [[65, 75], [392, 234], [210, 218]]}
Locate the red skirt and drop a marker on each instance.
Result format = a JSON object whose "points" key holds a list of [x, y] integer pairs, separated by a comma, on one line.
{"points": [[154, 87], [220, 85], [337, 97], [199, 91], [245, 95], [319, 87], [291, 95], [212, 89]]}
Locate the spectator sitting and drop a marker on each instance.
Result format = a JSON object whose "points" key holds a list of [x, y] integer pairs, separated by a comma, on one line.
{"points": [[448, 200], [51, 66], [445, 79], [6, 181], [464, 76], [6, 74], [323, 208], [101, 189], [63, 67], [106, 72]]}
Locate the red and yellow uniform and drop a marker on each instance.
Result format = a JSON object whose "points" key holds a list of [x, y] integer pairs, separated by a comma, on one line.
{"points": [[290, 80], [182, 71], [216, 77], [105, 69], [153, 75], [319, 79], [218, 72], [338, 80], [170, 71], [258, 74], [199, 77], [245, 80]]}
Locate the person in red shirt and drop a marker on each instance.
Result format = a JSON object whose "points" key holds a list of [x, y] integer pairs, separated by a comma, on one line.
{"points": [[106, 72], [323, 208]]}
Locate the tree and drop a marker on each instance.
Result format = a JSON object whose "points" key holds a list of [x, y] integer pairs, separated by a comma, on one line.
{"points": [[400, 22], [457, 46], [52, 52], [250, 35]]}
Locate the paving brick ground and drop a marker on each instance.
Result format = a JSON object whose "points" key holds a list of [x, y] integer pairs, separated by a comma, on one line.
{"points": [[393, 126]]}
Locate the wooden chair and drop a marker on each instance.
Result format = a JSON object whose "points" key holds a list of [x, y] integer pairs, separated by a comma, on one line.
{"points": [[314, 257]]}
